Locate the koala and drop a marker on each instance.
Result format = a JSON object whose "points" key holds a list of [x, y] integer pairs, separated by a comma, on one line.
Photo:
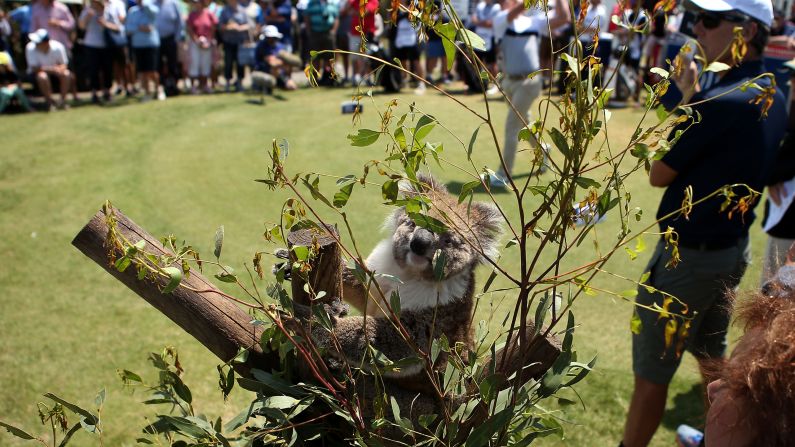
{"points": [[429, 307]]}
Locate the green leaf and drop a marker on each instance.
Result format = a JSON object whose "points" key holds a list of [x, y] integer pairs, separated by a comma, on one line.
{"points": [[18, 432], [181, 389], [439, 263], [364, 137], [541, 311], [394, 303], [185, 426], [476, 41], [631, 293], [424, 126], [426, 420], [524, 134], [467, 189], [429, 223], [280, 402], [241, 356], [227, 275], [560, 142], [584, 370], [483, 433], [472, 140], [100, 399], [568, 338], [322, 316], [129, 376], [90, 418], [447, 32], [395, 409], [489, 280], [389, 190], [122, 263], [635, 324], [219, 241], [587, 182], [301, 252], [660, 72], [341, 198], [174, 278], [488, 387], [717, 67]]}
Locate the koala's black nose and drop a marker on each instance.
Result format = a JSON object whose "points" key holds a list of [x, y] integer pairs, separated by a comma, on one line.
{"points": [[420, 241]]}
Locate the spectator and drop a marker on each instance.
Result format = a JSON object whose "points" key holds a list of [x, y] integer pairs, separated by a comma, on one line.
{"points": [[407, 47], [97, 17], [485, 11], [48, 65], [55, 17], [272, 62], [518, 30], [235, 31], [169, 28], [119, 48], [434, 51], [322, 19], [355, 31], [595, 23], [21, 17], [201, 26], [781, 235], [5, 32], [145, 43], [279, 13], [10, 90], [707, 156]]}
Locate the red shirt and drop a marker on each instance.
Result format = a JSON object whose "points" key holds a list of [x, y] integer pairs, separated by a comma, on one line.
{"points": [[203, 23], [369, 16]]}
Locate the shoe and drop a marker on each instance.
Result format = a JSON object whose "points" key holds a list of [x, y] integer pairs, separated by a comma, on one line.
{"points": [[130, 93], [194, 90], [497, 180], [161, 95], [94, 99], [493, 90], [238, 86], [420, 90], [106, 97], [51, 108], [207, 90], [63, 105], [117, 91], [687, 436], [228, 88]]}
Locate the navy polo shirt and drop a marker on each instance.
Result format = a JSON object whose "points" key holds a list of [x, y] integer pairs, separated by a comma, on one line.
{"points": [[732, 144]]}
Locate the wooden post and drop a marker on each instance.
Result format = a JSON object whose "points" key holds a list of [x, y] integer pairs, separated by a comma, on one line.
{"points": [[326, 272], [215, 321]]}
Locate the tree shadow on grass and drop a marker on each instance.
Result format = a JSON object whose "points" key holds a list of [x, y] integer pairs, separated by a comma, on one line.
{"points": [[688, 408], [518, 179]]}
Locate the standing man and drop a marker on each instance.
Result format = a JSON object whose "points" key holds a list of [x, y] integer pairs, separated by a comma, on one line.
{"points": [[169, 28], [733, 144], [322, 19], [55, 17], [519, 30]]}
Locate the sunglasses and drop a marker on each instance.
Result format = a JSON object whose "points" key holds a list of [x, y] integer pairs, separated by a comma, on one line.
{"points": [[711, 20]]}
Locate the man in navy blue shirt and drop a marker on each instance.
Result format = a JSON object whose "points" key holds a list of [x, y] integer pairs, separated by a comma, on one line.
{"points": [[734, 143], [272, 62]]}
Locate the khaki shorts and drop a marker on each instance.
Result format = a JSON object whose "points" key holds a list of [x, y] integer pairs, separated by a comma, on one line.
{"points": [[702, 280]]}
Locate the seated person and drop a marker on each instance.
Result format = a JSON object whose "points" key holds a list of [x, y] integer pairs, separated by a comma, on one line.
{"points": [[272, 62], [9, 85], [47, 64]]}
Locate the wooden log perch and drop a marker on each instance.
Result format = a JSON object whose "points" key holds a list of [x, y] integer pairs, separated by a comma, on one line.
{"points": [[215, 321], [326, 273]]}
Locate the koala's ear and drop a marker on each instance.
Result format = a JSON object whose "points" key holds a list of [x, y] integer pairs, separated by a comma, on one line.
{"points": [[488, 227]]}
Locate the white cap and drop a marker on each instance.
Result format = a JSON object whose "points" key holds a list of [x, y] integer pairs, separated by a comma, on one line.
{"points": [[39, 36], [761, 10], [272, 31]]}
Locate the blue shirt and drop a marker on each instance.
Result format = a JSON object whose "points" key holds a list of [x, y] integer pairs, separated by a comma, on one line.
{"points": [[732, 144], [284, 10], [263, 50], [169, 20], [143, 15], [237, 15], [21, 16]]}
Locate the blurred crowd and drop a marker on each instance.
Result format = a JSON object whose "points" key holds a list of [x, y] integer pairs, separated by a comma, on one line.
{"points": [[152, 49]]}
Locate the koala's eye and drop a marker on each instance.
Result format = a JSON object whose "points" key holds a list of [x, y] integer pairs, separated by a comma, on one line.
{"points": [[448, 241], [409, 223]]}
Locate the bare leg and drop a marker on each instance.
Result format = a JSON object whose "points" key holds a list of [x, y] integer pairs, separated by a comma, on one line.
{"points": [[43, 82], [645, 412]]}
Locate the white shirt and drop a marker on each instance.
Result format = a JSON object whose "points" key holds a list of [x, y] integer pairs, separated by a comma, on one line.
{"points": [[595, 18], [485, 11], [531, 20], [56, 55]]}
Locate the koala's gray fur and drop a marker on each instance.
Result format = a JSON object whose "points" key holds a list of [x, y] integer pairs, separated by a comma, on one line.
{"points": [[429, 308]]}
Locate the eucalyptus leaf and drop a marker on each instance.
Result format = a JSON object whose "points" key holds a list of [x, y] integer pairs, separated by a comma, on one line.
{"points": [[219, 241], [364, 137], [18, 432], [174, 278]]}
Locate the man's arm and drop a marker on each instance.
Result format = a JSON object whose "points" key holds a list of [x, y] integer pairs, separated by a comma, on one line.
{"points": [[661, 174]]}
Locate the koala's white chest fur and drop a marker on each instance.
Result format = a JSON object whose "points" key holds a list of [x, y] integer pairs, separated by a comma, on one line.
{"points": [[415, 293]]}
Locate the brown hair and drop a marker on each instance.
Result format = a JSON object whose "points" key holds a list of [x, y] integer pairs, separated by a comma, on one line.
{"points": [[762, 375]]}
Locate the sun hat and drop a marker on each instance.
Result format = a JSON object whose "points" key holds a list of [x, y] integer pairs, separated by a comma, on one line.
{"points": [[761, 10], [272, 31], [39, 36]]}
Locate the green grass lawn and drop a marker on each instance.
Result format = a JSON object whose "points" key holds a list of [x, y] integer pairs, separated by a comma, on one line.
{"points": [[186, 166]]}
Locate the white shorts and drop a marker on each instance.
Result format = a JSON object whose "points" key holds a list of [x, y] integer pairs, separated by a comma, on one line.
{"points": [[201, 60]]}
